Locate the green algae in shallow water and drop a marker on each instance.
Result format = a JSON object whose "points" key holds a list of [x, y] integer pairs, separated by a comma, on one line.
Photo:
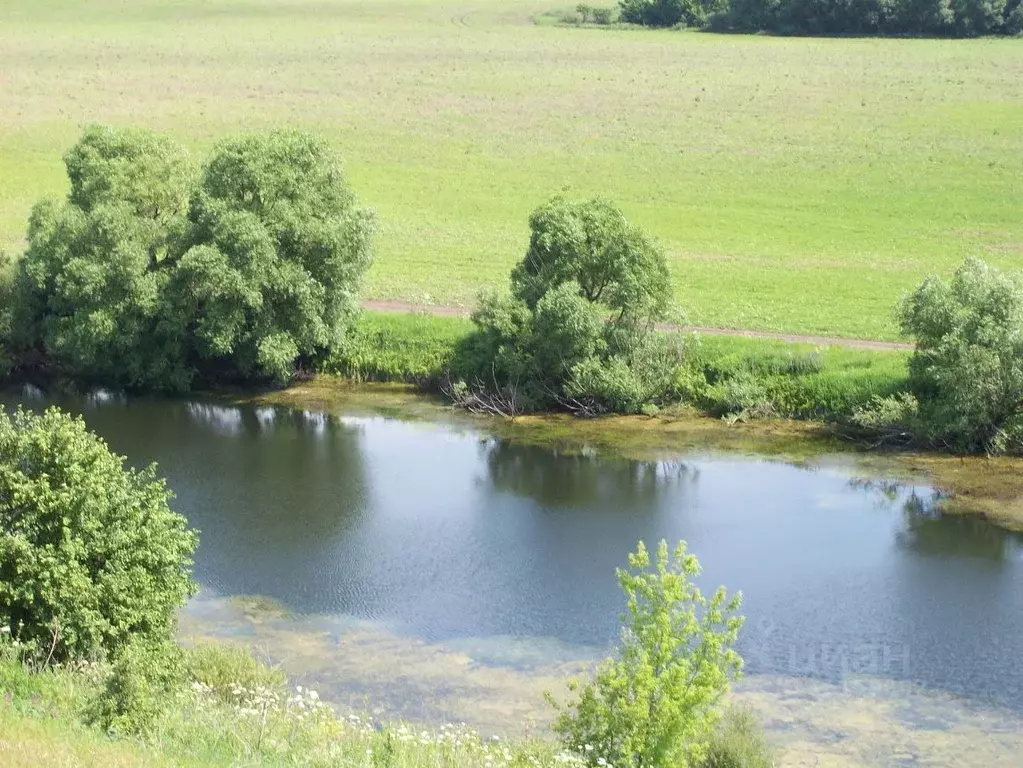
{"points": [[361, 665]]}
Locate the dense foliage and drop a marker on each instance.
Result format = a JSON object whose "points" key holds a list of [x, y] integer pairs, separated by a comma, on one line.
{"points": [[966, 376], [953, 18], [657, 702], [91, 555], [149, 276], [577, 330]]}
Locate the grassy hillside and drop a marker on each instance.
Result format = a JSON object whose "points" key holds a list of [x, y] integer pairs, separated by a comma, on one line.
{"points": [[799, 185]]}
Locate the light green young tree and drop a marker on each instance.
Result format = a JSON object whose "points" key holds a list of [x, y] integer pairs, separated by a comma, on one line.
{"points": [[657, 702]]}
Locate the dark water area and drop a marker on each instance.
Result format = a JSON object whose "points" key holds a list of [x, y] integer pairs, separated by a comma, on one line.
{"points": [[445, 533]]}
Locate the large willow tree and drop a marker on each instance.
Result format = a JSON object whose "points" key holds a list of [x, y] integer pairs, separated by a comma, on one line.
{"points": [[150, 274]]}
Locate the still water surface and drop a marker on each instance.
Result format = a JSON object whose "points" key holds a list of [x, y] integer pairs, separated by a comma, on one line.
{"points": [[446, 534]]}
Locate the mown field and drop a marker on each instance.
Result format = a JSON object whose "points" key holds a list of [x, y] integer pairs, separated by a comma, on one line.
{"points": [[798, 185]]}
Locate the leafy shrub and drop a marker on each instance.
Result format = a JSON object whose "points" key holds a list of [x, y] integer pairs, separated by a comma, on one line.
{"points": [[90, 552], [967, 370], [745, 397], [594, 14], [577, 331], [657, 702], [895, 417], [667, 13], [140, 689], [222, 669], [147, 277], [738, 742]]}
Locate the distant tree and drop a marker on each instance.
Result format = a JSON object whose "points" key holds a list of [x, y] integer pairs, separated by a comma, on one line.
{"points": [[91, 555], [922, 17], [978, 17], [669, 13], [1013, 17], [657, 702]]}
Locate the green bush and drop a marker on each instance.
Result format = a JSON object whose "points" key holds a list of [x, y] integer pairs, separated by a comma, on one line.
{"points": [[657, 702], [577, 331], [91, 554], [225, 668], [148, 276], [967, 370], [738, 742], [141, 688]]}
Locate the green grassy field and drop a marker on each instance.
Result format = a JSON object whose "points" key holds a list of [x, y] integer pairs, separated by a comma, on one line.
{"points": [[798, 185]]}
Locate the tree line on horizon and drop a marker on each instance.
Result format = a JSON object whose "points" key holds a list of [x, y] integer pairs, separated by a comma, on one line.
{"points": [[931, 18]]}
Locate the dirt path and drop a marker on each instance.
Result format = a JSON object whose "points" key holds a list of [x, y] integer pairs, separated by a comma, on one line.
{"points": [[795, 338]]}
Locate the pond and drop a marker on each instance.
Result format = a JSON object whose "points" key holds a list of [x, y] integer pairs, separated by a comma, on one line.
{"points": [[383, 555]]}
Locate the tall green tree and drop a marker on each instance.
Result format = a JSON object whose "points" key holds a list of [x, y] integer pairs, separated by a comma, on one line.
{"points": [[577, 330], [657, 702], [88, 294], [276, 254], [149, 275], [593, 245]]}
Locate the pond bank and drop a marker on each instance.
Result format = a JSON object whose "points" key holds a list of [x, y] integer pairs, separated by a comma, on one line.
{"points": [[988, 487]]}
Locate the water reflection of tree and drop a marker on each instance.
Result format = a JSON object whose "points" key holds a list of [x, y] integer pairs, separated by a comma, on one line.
{"points": [[928, 530], [579, 479], [274, 491]]}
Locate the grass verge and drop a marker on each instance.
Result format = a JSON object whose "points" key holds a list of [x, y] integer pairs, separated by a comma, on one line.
{"points": [[735, 376]]}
